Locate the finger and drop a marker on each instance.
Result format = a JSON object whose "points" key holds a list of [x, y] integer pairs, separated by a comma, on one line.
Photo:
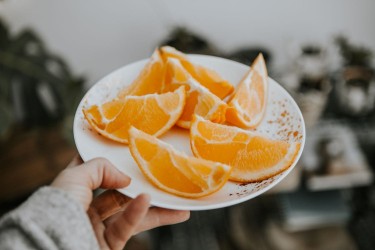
{"points": [[157, 217], [98, 227], [101, 173], [109, 203], [118, 232], [77, 160]]}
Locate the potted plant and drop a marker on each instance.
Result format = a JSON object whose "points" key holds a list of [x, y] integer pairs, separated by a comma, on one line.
{"points": [[189, 42], [38, 97], [37, 88]]}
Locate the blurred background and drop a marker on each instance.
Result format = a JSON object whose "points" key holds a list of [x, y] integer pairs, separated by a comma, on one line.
{"points": [[322, 52]]}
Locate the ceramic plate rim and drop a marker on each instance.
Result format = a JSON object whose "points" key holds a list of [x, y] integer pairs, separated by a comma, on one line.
{"points": [[205, 206]]}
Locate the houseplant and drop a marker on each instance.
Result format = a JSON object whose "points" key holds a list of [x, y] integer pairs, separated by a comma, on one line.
{"points": [[37, 88], [38, 97]]}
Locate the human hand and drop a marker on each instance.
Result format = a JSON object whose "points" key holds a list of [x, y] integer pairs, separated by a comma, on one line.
{"points": [[114, 217]]}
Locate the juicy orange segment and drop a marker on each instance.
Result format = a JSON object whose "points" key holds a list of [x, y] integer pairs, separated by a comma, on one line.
{"points": [[205, 76], [150, 79], [152, 113], [247, 106], [173, 171], [253, 157], [199, 99]]}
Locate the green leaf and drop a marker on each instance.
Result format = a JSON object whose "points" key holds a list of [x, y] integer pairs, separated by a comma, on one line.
{"points": [[4, 35]]}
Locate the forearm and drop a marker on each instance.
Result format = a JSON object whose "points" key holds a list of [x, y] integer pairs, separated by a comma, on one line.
{"points": [[49, 220]]}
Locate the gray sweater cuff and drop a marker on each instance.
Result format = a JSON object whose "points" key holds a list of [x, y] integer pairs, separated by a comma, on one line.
{"points": [[49, 219]]}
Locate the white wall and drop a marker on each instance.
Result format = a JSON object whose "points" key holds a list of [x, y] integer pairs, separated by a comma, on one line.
{"points": [[98, 36]]}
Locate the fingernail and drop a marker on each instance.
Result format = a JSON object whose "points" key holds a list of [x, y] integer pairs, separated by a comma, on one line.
{"points": [[126, 178], [146, 197], [186, 215]]}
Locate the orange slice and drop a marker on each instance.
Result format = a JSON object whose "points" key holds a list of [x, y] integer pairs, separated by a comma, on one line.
{"points": [[199, 99], [253, 157], [149, 80], [205, 76], [173, 171], [247, 106], [152, 113]]}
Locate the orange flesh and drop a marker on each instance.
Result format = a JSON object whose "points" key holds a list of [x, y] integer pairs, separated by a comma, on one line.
{"points": [[150, 113], [191, 102], [271, 152], [205, 76], [173, 171], [248, 104], [245, 151], [150, 79], [161, 167], [252, 100], [199, 100]]}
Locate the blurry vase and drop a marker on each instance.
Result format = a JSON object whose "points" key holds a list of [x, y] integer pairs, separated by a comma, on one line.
{"points": [[355, 91], [313, 102], [312, 62], [308, 81]]}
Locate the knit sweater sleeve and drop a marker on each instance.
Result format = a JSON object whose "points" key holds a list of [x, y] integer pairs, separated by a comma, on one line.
{"points": [[49, 220]]}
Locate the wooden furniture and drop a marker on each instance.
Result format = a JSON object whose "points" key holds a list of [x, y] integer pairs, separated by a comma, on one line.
{"points": [[29, 160]]}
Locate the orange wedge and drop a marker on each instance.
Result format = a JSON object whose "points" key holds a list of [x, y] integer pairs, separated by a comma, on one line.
{"points": [[253, 157], [150, 79], [199, 100], [152, 113], [247, 106], [173, 171], [205, 76]]}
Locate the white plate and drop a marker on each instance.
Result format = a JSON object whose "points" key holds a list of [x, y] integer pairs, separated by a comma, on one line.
{"points": [[283, 120]]}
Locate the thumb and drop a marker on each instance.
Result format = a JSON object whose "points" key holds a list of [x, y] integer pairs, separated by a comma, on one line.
{"points": [[100, 172], [79, 181]]}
